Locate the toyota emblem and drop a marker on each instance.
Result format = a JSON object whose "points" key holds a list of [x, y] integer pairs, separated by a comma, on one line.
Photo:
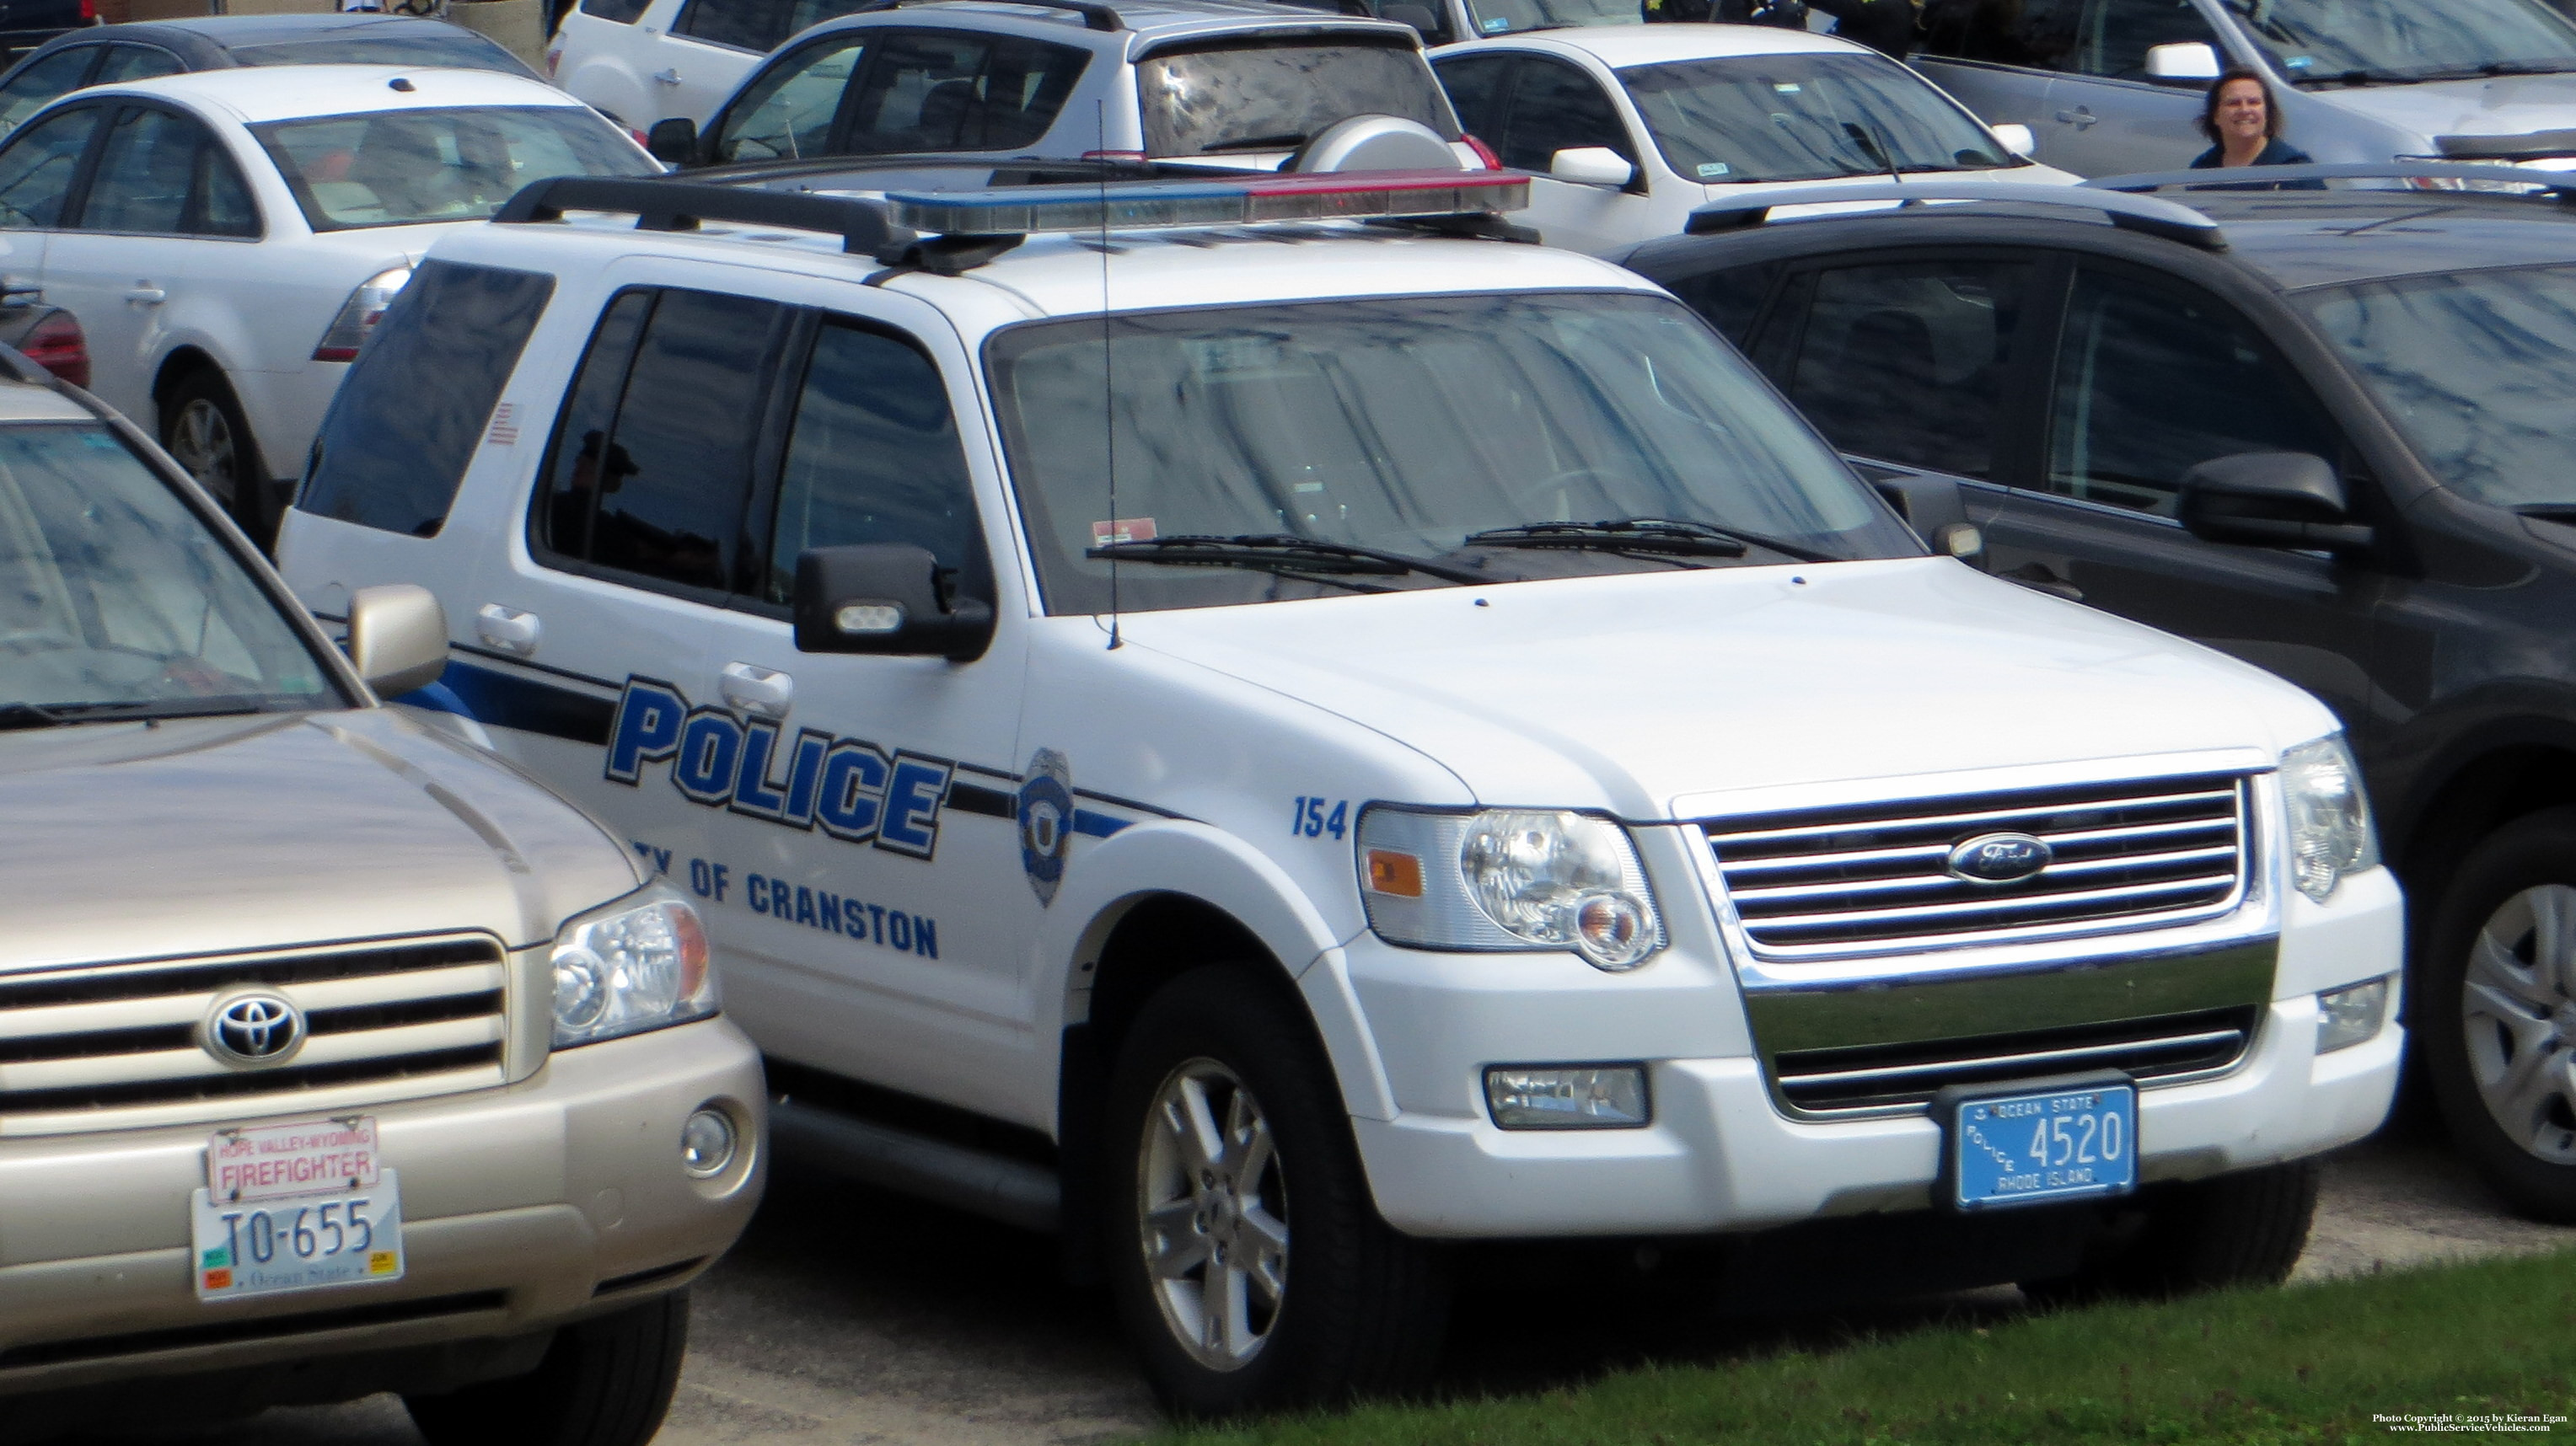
{"points": [[261, 1027]]}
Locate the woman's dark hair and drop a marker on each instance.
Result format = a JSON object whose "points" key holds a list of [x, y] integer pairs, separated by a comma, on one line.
{"points": [[2228, 77]]}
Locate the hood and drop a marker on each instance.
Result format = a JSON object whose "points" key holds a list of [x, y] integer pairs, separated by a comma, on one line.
{"points": [[1633, 691], [2509, 105], [213, 835], [2033, 174]]}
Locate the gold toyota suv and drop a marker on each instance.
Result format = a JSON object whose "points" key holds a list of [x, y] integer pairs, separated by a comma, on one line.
{"points": [[335, 1057]]}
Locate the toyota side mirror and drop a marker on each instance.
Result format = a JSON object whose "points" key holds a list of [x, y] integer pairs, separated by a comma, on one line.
{"points": [[1591, 166], [2186, 62], [397, 637], [2270, 499], [2017, 138], [889, 599], [674, 141]]}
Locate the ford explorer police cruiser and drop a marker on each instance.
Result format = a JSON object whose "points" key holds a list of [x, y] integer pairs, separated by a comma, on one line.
{"points": [[335, 1057], [1281, 746]]}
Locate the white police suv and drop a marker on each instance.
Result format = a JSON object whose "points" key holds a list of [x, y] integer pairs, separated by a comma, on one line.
{"points": [[1281, 746]]}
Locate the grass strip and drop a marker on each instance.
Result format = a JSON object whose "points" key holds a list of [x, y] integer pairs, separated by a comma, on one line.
{"points": [[2309, 1364]]}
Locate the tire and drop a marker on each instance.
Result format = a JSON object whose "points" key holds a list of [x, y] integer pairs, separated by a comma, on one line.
{"points": [[2496, 1012], [1334, 1302], [604, 1382], [2243, 1229], [203, 429]]}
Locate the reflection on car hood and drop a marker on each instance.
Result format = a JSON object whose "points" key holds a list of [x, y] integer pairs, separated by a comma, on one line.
{"points": [[2033, 174], [1632, 691], [211, 835], [2505, 105]]}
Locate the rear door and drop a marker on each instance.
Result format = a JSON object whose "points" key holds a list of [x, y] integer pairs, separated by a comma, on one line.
{"points": [[2106, 118], [711, 47], [40, 165]]}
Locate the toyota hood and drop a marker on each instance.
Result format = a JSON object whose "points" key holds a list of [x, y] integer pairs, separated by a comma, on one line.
{"points": [[1632, 692], [2506, 106], [215, 835]]}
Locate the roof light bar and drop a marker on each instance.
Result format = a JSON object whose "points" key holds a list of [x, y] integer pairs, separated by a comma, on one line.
{"points": [[1124, 206]]}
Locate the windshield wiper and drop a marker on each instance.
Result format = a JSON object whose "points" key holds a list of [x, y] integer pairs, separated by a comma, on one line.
{"points": [[1286, 141], [1661, 535], [2362, 75], [29, 715], [1281, 552]]}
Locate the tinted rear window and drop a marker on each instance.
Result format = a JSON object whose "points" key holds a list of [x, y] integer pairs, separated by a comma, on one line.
{"points": [[1252, 96], [436, 45], [412, 410]]}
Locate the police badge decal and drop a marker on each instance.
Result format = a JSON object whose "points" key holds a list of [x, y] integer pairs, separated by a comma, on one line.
{"points": [[1046, 821]]}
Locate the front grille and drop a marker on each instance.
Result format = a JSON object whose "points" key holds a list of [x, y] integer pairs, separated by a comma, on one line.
{"points": [[1879, 1077], [1875, 879], [117, 1044]]}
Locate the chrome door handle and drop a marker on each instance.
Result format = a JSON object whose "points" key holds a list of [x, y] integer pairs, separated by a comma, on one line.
{"points": [[755, 689], [669, 76], [2080, 117], [507, 630], [147, 296]]}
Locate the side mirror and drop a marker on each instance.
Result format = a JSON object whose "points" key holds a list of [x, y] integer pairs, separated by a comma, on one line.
{"points": [[1591, 166], [2270, 499], [886, 598], [674, 140], [397, 637], [2016, 138], [2190, 60]]}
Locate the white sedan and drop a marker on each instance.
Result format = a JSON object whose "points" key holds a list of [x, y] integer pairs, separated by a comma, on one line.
{"points": [[1628, 128], [226, 239]]}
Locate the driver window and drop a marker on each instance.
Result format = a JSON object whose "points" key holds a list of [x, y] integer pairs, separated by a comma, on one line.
{"points": [[873, 457], [2153, 380], [1556, 107], [788, 112], [2118, 34], [1906, 363]]}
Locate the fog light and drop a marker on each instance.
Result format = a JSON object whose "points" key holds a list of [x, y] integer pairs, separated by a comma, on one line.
{"points": [[2346, 1017], [1579, 1097], [706, 1143]]}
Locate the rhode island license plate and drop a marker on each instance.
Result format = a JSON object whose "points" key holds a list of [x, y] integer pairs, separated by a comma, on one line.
{"points": [[2043, 1141], [297, 1206]]}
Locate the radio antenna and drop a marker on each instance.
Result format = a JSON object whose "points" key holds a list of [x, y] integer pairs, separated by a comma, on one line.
{"points": [[1108, 384]]}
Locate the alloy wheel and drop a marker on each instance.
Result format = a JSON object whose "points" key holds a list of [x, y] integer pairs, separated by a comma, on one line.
{"points": [[1212, 1211], [201, 440], [2518, 1009]]}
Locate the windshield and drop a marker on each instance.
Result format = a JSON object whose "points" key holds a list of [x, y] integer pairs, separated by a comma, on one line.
{"points": [[2330, 40], [1803, 118], [1502, 17], [1257, 97], [398, 167], [440, 45], [116, 601], [1403, 425]]}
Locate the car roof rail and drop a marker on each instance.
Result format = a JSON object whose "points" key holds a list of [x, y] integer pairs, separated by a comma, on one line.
{"points": [[2560, 184], [1095, 14], [664, 205], [2150, 214]]}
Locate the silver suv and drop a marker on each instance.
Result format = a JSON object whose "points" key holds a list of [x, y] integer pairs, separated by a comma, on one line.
{"points": [[335, 1057]]}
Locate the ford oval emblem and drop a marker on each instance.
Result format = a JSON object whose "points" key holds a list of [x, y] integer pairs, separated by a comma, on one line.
{"points": [[1999, 858], [258, 1027]]}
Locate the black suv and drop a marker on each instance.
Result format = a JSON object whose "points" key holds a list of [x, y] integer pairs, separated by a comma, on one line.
{"points": [[2329, 432]]}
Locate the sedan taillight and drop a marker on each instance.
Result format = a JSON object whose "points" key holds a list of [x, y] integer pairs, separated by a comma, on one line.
{"points": [[359, 315], [58, 345]]}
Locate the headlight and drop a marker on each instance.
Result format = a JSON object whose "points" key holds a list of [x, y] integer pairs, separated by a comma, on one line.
{"points": [[638, 964], [2330, 832], [1507, 879]]}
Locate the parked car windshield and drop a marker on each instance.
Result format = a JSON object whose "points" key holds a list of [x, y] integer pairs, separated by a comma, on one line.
{"points": [[1244, 95], [398, 167], [1507, 17], [1402, 424], [118, 601], [2339, 41], [1804, 118], [452, 47], [2473, 369]]}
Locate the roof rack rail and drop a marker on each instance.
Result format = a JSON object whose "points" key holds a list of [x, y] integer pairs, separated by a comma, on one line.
{"points": [[1095, 14], [665, 205], [2561, 184], [2149, 214]]}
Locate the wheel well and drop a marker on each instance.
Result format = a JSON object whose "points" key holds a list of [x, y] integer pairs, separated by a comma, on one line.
{"points": [[2481, 797], [178, 364]]}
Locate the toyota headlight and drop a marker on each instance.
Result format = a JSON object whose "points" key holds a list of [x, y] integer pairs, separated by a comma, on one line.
{"points": [[637, 964], [1507, 879], [2330, 832]]}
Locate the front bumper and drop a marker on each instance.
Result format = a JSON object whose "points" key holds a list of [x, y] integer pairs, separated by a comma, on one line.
{"points": [[524, 1207], [1721, 1156]]}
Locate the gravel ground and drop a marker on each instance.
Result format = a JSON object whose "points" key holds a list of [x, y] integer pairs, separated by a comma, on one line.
{"points": [[849, 1317]]}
